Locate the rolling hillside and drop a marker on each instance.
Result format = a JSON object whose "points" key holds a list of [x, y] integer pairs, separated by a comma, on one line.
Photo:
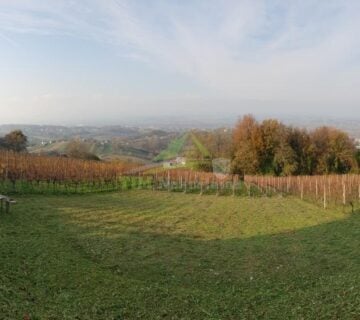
{"points": [[107, 150], [142, 146]]}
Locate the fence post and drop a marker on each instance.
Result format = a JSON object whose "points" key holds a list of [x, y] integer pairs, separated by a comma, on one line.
{"points": [[233, 186], [168, 180]]}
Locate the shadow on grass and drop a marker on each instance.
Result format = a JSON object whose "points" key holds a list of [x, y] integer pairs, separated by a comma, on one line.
{"points": [[311, 273]]}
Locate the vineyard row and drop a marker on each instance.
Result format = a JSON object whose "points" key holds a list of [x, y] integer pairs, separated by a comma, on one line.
{"points": [[325, 189], [25, 173]]}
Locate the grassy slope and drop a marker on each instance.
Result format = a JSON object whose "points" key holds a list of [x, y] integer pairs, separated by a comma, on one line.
{"points": [[204, 152], [105, 150], [176, 146], [149, 255], [56, 146], [173, 150]]}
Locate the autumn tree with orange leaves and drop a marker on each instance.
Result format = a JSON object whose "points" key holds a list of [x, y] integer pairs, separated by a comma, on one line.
{"points": [[270, 147]]}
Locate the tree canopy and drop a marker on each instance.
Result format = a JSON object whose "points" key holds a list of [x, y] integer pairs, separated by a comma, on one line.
{"points": [[270, 147], [15, 141]]}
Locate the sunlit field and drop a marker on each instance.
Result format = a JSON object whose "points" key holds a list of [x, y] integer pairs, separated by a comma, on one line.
{"points": [[158, 255]]}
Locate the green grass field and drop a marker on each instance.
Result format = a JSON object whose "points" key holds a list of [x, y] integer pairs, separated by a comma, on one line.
{"points": [[158, 255], [173, 150], [202, 149]]}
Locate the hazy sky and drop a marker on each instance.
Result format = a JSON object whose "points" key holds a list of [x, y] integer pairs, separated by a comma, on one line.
{"points": [[104, 61]]}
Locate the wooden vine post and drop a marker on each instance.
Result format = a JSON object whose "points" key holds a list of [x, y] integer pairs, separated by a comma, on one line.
{"points": [[168, 180], [233, 186]]}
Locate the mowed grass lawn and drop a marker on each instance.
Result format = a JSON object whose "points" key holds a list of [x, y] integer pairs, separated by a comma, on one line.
{"points": [[158, 255]]}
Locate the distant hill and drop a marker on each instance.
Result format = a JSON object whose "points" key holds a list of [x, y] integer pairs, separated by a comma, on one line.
{"points": [[106, 150], [109, 142], [50, 132]]}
